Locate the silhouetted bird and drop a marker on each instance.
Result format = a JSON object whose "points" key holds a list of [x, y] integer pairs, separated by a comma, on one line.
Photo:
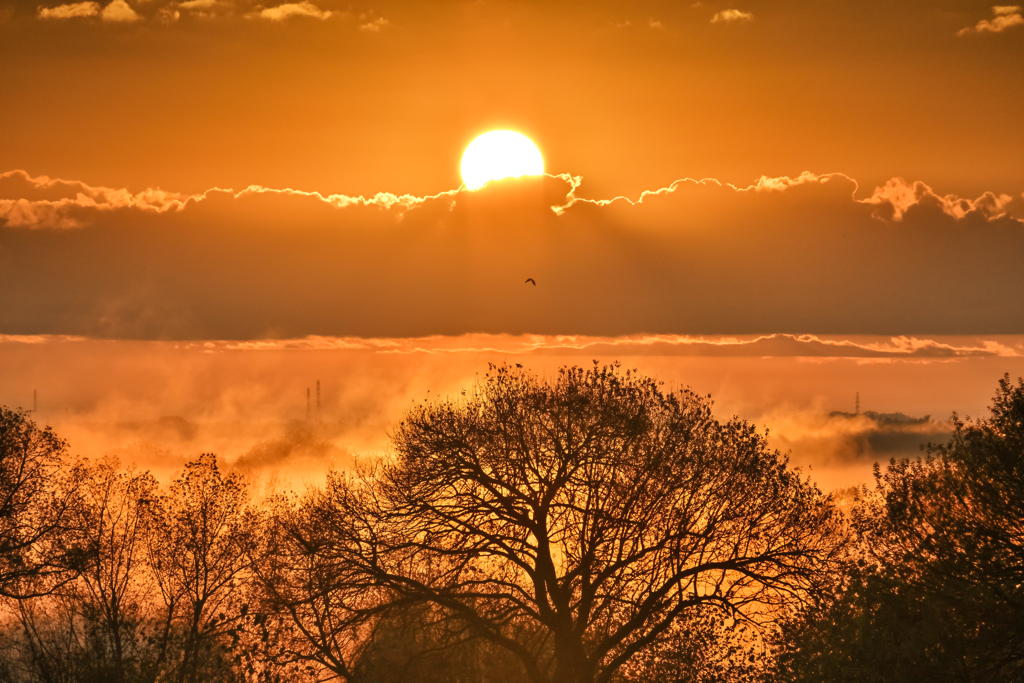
{"points": [[531, 281]]}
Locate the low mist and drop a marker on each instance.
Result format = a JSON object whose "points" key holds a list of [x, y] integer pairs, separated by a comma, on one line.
{"points": [[159, 404]]}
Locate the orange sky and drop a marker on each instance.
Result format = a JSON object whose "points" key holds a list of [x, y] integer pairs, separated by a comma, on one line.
{"points": [[177, 172], [631, 95]]}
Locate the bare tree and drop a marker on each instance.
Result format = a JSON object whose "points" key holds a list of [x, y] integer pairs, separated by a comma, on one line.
{"points": [[114, 586], [35, 498], [200, 542], [575, 521], [322, 615], [325, 609]]}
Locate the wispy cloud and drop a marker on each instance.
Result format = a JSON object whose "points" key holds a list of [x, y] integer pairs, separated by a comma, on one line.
{"points": [[291, 9], [119, 11], [384, 200], [41, 201], [732, 15], [1003, 17], [27, 201], [893, 200], [198, 4], [898, 196], [661, 345], [374, 26], [70, 11]]}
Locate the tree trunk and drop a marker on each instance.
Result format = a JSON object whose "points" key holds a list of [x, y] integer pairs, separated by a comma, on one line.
{"points": [[571, 664]]}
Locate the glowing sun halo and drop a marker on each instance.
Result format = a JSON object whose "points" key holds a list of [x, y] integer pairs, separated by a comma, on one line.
{"points": [[500, 154]]}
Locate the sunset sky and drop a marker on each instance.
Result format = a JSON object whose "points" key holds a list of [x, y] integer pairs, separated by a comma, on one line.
{"points": [[206, 205]]}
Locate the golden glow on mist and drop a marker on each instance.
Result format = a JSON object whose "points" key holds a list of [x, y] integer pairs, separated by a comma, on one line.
{"points": [[500, 154]]}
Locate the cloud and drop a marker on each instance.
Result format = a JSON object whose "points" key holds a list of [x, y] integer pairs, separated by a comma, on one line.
{"points": [[383, 200], [375, 25], [291, 9], [776, 259], [44, 202], [898, 196], [198, 4], [1004, 17], [119, 11], [773, 345], [731, 15], [70, 11], [892, 201], [753, 346]]}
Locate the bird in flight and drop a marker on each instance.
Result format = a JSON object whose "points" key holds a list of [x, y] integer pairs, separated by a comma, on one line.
{"points": [[531, 281]]}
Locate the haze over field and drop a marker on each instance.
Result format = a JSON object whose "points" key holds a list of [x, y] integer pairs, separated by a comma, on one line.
{"points": [[160, 403]]}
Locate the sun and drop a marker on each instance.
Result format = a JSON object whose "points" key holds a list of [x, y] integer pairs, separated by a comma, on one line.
{"points": [[500, 154]]}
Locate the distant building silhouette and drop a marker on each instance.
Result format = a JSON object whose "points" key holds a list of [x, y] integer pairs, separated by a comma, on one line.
{"points": [[884, 418]]}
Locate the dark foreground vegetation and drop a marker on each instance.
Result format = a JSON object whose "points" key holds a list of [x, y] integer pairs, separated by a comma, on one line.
{"points": [[583, 529]]}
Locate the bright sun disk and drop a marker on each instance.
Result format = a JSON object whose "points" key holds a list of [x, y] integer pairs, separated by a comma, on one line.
{"points": [[500, 154]]}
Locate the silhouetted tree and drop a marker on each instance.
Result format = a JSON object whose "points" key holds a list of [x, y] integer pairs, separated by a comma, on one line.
{"points": [[575, 522], [703, 647], [201, 538], [34, 502], [938, 589], [324, 613], [317, 609], [114, 587]]}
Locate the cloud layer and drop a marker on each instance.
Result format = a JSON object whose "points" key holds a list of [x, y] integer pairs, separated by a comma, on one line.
{"points": [[810, 254]]}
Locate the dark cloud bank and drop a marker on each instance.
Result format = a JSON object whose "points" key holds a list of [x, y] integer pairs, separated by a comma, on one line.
{"points": [[805, 255]]}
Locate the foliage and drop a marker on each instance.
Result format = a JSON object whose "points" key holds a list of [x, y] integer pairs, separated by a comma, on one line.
{"points": [[938, 589]]}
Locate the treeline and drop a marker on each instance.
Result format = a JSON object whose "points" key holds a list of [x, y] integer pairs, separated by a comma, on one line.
{"points": [[584, 529]]}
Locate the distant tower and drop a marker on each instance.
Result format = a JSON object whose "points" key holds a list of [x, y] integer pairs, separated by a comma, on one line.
{"points": [[318, 400], [307, 404], [35, 401], [856, 409]]}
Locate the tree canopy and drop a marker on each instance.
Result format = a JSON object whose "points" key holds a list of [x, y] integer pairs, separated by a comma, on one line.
{"points": [[573, 521], [35, 499], [937, 588]]}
